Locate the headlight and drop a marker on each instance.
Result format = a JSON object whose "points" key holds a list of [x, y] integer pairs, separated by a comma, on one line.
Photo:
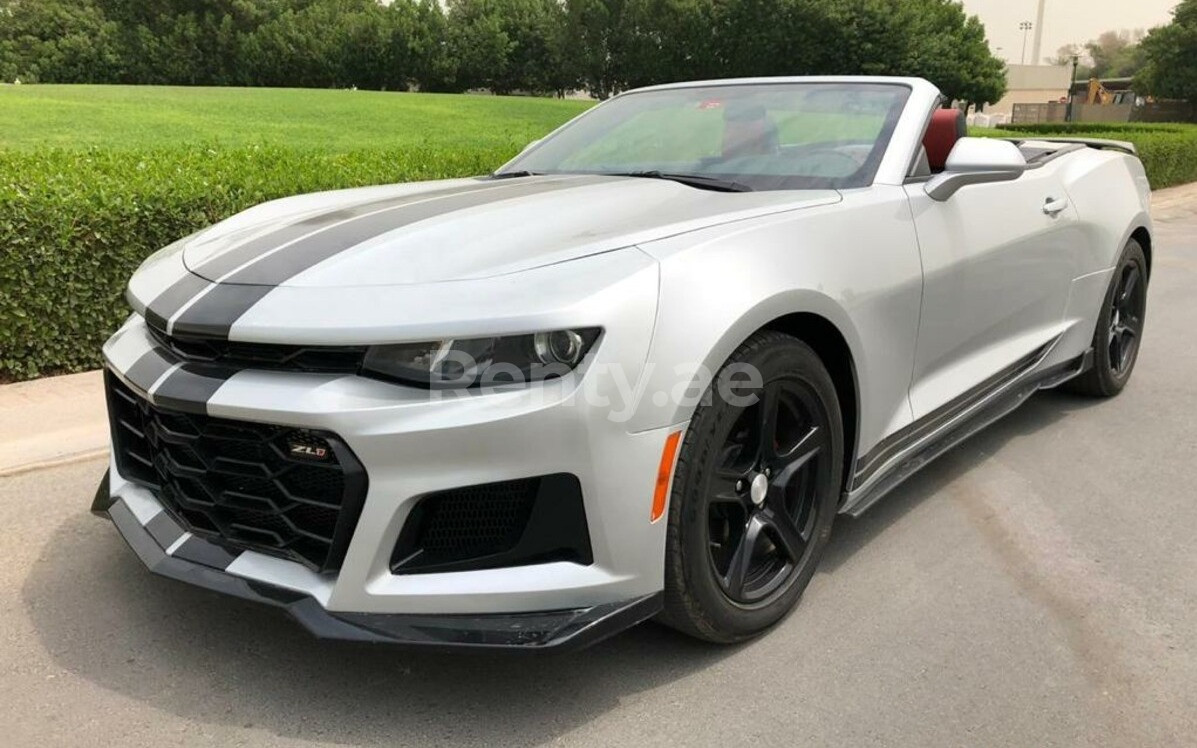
{"points": [[473, 362]]}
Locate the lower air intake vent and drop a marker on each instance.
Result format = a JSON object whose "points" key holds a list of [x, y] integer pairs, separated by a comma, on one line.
{"points": [[512, 523]]}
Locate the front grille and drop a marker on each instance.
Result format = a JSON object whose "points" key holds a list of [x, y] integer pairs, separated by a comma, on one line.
{"points": [[239, 355], [294, 493], [510, 523]]}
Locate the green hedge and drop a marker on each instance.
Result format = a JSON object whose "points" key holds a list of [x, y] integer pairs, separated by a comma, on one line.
{"points": [[75, 224], [1168, 151]]}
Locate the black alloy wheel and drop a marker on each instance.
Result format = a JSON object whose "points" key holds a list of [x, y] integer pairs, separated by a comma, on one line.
{"points": [[755, 490], [763, 496], [1119, 334], [1126, 317]]}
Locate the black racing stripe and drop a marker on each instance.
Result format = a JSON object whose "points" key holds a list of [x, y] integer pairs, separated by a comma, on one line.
{"points": [[200, 551], [154, 319], [147, 369], [170, 301], [281, 266], [164, 530], [189, 387], [215, 312], [228, 261]]}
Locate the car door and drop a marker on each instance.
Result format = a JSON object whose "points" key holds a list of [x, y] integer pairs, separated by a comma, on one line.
{"points": [[997, 267]]}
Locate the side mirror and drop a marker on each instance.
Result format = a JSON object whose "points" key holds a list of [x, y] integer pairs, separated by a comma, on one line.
{"points": [[976, 161]]}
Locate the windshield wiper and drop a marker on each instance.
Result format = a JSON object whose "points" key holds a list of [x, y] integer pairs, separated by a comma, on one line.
{"points": [[692, 180], [513, 174]]}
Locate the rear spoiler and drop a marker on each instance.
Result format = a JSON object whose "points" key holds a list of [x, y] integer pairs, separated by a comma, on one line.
{"points": [[1098, 143]]}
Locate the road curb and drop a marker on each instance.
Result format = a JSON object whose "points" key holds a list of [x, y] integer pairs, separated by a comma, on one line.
{"points": [[52, 421], [29, 467], [1174, 202]]}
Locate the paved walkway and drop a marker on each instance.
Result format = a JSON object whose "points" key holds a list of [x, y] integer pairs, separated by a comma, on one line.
{"points": [[50, 421], [1174, 202], [62, 419]]}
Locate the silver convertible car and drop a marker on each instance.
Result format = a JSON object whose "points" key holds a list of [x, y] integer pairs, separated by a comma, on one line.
{"points": [[636, 372]]}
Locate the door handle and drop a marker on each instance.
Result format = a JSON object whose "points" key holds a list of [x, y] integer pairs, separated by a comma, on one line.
{"points": [[1054, 206]]}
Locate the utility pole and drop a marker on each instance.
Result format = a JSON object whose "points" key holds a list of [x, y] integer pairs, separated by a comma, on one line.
{"points": [[1037, 47], [1070, 115], [1025, 26]]}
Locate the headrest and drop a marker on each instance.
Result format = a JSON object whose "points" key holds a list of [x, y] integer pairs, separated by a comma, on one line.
{"points": [[947, 126]]}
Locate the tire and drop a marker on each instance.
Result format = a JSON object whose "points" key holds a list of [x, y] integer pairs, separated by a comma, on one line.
{"points": [[714, 590], [1119, 330]]}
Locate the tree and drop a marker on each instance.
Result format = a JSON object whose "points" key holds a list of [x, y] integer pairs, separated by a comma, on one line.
{"points": [[536, 59], [589, 33], [1064, 56], [57, 41], [532, 46], [1171, 57], [933, 39], [1116, 54], [623, 43], [479, 42], [433, 57], [509, 45], [937, 40]]}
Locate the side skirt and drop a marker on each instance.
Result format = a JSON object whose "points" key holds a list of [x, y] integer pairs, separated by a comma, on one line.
{"points": [[932, 435]]}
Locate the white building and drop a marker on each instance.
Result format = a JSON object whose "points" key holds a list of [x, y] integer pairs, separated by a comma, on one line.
{"points": [[1032, 84]]}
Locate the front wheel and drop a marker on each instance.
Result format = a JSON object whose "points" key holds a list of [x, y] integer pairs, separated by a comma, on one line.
{"points": [[1119, 327], [756, 488]]}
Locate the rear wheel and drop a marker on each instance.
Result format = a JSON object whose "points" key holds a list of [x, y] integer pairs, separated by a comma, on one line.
{"points": [[1119, 328], [755, 491]]}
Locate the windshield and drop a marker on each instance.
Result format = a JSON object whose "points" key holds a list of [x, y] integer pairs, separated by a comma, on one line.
{"points": [[778, 136]]}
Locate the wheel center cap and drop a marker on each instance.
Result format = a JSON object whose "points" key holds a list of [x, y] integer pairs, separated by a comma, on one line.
{"points": [[758, 489]]}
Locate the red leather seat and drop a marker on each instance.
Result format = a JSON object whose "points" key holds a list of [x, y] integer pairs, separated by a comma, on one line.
{"points": [[947, 126]]}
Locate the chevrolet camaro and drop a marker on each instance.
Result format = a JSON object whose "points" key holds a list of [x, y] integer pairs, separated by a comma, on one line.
{"points": [[635, 372]]}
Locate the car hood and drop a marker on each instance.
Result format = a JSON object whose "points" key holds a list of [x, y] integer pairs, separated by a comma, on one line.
{"points": [[461, 229]]}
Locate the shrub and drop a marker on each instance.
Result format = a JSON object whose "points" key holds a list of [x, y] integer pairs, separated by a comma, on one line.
{"points": [[1081, 128], [1168, 151], [75, 224]]}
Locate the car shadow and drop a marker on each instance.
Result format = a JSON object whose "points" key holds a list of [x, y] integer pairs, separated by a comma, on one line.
{"points": [[209, 658], [850, 534]]}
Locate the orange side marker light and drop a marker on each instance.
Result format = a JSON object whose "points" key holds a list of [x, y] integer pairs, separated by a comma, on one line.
{"points": [[664, 472]]}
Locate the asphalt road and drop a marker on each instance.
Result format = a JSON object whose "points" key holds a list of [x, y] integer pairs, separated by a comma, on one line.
{"points": [[1036, 586]]}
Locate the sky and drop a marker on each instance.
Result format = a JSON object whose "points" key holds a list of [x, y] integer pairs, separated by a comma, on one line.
{"points": [[1064, 21]]}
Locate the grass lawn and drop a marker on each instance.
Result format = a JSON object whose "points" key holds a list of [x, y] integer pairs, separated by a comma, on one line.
{"points": [[138, 117], [95, 178]]}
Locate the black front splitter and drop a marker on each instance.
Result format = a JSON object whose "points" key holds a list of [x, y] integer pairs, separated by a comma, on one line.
{"points": [[551, 631]]}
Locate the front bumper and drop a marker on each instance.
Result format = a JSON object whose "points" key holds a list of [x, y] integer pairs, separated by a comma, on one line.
{"points": [[411, 446], [168, 550]]}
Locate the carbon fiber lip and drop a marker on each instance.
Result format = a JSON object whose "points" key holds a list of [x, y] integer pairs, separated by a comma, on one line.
{"points": [[548, 631]]}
